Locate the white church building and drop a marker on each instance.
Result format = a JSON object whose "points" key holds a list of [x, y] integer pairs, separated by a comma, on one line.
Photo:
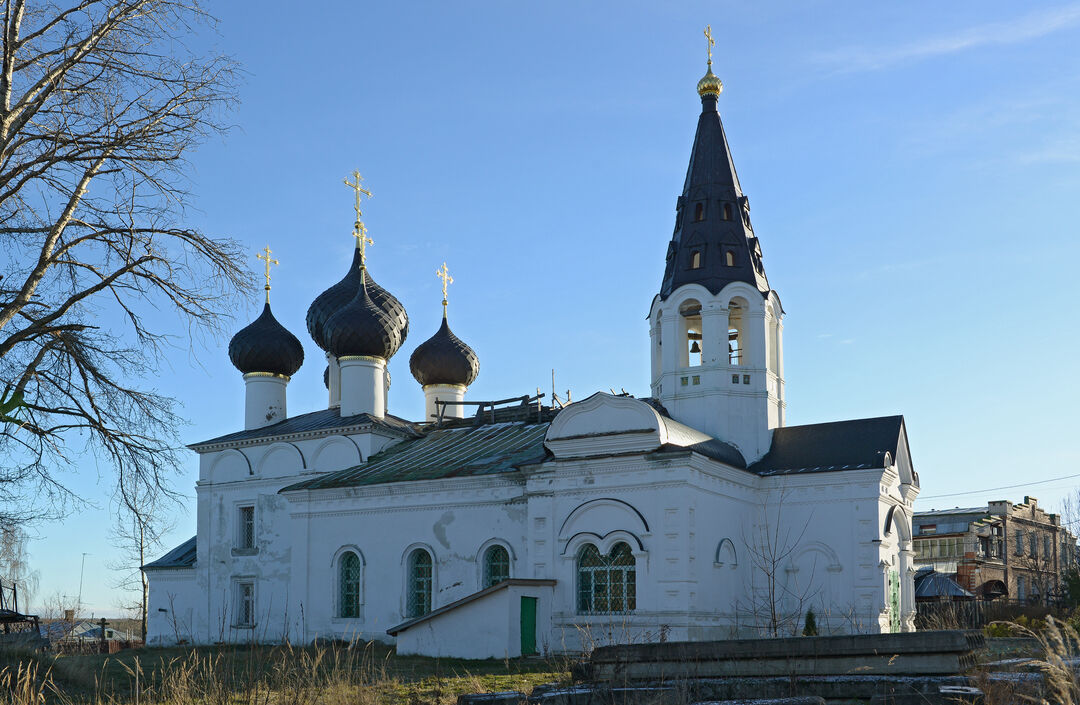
{"points": [[694, 514]]}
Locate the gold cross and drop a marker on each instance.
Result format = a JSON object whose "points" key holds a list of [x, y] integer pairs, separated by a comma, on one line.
{"points": [[266, 258], [444, 274], [359, 189], [362, 240], [711, 42]]}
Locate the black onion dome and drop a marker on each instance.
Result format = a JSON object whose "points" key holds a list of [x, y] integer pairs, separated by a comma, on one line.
{"points": [[266, 346], [444, 358], [361, 327], [333, 299]]}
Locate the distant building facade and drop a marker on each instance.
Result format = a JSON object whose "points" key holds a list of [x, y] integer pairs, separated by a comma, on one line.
{"points": [[1002, 550]]}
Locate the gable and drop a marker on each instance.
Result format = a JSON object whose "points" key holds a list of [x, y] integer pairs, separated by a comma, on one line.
{"points": [[604, 425]]}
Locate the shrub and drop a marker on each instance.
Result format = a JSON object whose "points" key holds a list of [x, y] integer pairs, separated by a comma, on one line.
{"points": [[810, 625]]}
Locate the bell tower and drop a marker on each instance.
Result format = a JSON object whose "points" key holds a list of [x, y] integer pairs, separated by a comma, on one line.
{"points": [[716, 327]]}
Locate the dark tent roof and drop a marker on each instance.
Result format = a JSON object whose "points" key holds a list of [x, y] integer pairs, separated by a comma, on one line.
{"points": [[712, 218]]}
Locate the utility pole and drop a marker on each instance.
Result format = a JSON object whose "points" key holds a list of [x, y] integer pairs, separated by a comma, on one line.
{"points": [[82, 570]]}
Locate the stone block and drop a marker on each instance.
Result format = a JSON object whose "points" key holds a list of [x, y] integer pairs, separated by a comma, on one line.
{"points": [[505, 697]]}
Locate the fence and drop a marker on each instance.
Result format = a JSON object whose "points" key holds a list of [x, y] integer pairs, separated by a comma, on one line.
{"points": [[975, 614]]}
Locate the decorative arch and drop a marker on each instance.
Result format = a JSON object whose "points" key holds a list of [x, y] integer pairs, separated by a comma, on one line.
{"points": [[725, 554], [336, 453], [231, 459], [603, 542], [755, 302], [263, 468], [897, 517], [593, 504], [832, 560], [348, 547]]}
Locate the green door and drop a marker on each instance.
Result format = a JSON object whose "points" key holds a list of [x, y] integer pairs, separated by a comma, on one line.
{"points": [[894, 601], [528, 626]]}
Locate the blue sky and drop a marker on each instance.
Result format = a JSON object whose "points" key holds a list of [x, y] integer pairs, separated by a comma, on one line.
{"points": [[912, 170]]}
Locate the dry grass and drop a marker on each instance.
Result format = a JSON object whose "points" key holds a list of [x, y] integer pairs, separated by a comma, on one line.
{"points": [[1059, 684], [355, 674]]}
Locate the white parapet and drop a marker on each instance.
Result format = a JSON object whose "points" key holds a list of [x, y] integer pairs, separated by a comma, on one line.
{"points": [[264, 399], [363, 385], [444, 392]]}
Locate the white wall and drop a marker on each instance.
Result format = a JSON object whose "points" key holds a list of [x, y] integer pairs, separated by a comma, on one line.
{"points": [[673, 508], [489, 627]]}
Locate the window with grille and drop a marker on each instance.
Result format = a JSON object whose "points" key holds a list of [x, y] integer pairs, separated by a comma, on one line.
{"points": [[349, 585], [496, 565], [606, 584], [246, 532], [418, 597], [245, 604]]}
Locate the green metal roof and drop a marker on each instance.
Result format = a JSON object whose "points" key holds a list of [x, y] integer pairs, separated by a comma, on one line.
{"points": [[443, 452]]}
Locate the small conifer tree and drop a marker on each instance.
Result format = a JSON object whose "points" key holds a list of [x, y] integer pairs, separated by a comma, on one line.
{"points": [[810, 625]]}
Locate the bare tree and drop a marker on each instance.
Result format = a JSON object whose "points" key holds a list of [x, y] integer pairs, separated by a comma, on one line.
{"points": [[140, 525], [15, 570], [101, 102], [776, 603]]}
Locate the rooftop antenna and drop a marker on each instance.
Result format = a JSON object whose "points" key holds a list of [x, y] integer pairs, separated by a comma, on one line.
{"points": [[81, 572]]}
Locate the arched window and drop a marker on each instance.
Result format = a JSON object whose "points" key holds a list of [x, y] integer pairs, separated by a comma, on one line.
{"points": [[727, 211], [699, 212], [736, 342], [729, 259], [496, 565], [349, 585], [606, 584], [695, 259], [418, 591]]}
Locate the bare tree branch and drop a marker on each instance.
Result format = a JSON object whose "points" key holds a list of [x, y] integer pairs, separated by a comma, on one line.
{"points": [[101, 103]]}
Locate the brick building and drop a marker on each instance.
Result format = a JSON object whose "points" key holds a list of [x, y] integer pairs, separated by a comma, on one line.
{"points": [[1015, 551]]}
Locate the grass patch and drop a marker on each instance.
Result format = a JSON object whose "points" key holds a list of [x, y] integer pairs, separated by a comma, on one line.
{"points": [[316, 675]]}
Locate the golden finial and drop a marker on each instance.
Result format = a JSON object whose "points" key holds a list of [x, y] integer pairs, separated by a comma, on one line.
{"points": [[359, 230], [710, 84], [444, 274], [266, 258]]}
